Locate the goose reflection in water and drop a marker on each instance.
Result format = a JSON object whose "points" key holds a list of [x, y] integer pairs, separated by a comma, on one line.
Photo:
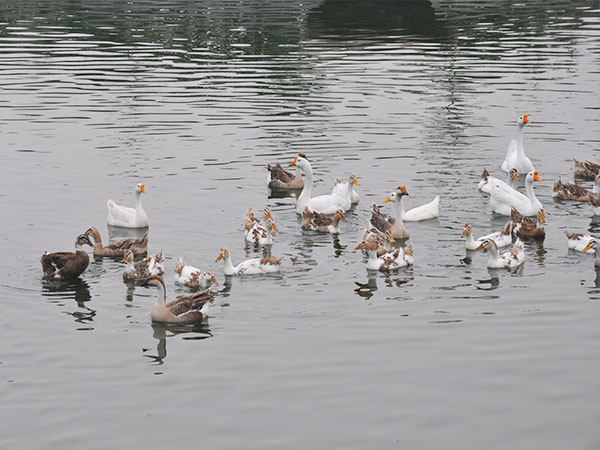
{"points": [[70, 289], [393, 279], [162, 331], [119, 233]]}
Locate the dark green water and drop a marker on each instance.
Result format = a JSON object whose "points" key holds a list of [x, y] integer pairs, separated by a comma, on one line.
{"points": [[194, 99]]}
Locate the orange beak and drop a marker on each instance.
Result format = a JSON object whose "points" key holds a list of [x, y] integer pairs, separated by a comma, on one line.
{"points": [[360, 246], [143, 188], [126, 258], [587, 247], [293, 163], [525, 119], [536, 176], [219, 258], [356, 182], [464, 233], [542, 218], [387, 200], [273, 227], [516, 176]]}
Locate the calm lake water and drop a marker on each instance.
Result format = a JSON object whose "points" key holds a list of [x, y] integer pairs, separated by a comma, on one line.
{"points": [[194, 99]]}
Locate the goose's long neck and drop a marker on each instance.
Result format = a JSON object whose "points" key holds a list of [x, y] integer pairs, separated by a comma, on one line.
{"points": [[520, 150], [399, 209], [228, 265], [530, 192], [138, 202], [306, 193], [493, 253], [402, 211], [510, 180], [162, 295], [130, 265], [470, 240], [350, 190]]}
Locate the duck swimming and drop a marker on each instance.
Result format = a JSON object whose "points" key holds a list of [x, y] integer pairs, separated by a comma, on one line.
{"points": [[123, 216], [280, 179], [118, 248], [384, 222], [150, 265], [512, 257], [572, 191], [586, 169], [515, 154], [67, 264], [250, 266], [192, 276], [321, 222], [501, 201]]}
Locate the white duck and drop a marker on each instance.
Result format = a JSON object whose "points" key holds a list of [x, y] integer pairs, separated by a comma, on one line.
{"points": [[502, 200], [596, 246], [578, 241], [512, 257], [122, 216], [502, 238], [326, 204], [192, 276], [339, 187], [260, 235], [150, 265], [427, 211], [400, 257], [515, 155], [250, 266], [485, 184]]}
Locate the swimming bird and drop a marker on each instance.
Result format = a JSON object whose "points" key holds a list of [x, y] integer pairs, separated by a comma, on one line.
{"points": [[339, 187], [526, 226], [123, 216], [426, 211], [586, 169], [250, 266], [572, 191], [192, 276], [384, 222], [515, 154], [397, 258], [192, 308], [281, 179], [67, 264], [511, 257], [502, 200], [322, 222], [578, 241], [150, 265], [595, 245], [502, 238], [118, 248], [485, 184]]}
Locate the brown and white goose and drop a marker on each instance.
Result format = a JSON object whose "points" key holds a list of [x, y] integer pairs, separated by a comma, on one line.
{"points": [[384, 222], [526, 226], [119, 248], [312, 220], [383, 241], [281, 179], [150, 265], [594, 244], [586, 169], [67, 264], [572, 191], [192, 308]]}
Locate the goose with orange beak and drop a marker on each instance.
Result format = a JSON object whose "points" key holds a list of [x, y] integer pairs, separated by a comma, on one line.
{"points": [[501, 201], [512, 257], [515, 154], [250, 266], [593, 244], [123, 216], [326, 204], [397, 258], [193, 277]]}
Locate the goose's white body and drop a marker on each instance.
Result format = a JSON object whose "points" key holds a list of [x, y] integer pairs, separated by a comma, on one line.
{"points": [[339, 187], [250, 266], [390, 261], [123, 216], [486, 185], [501, 239], [502, 200], [512, 257], [264, 236], [424, 212], [515, 154], [579, 242], [326, 204], [192, 276]]}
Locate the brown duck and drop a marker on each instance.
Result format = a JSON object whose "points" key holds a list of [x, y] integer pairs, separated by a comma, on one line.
{"points": [[384, 222], [192, 308], [282, 179], [572, 191], [119, 248], [586, 169], [67, 264], [312, 220], [526, 226]]}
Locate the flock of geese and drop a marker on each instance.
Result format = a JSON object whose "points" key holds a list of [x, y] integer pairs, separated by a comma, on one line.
{"points": [[324, 214]]}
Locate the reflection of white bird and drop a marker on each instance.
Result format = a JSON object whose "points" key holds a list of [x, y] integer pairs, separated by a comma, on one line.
{"points": [[122, 216], [515, 154]]}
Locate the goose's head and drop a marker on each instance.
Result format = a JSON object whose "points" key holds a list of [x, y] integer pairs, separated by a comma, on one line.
{"points": [[366, 245], [487, 244], [593, 243], [300, 161], [523, 120], [389, 237], [140, 189], [353, 180], [541, 215], [340, 215], [466, 231], [271, 224], [82, 240], [128, 256], [154, 281], [513, 173], [224, 253], [533, 176], [213, 279], [396, 196], [94, 233], [267, 213]]}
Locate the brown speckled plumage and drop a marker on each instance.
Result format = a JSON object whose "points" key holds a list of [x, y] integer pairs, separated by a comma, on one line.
{"points": [[586, 169], [282, 179], [118, 248], [66, 264], [572, 191]]}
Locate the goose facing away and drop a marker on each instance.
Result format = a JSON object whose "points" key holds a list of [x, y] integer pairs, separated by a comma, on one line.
{"points": [[123, 216], [67, 264], [281, 179], [192, 308], [118, 248]]}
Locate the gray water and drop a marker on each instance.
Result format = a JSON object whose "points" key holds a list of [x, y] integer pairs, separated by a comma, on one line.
{"points": [[194, 99]]}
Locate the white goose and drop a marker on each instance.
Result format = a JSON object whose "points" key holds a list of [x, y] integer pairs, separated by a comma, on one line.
{"points": [[485, 184], [339, 187], [122, 216], [515, 155], [596, 246], [326, 204], [400, 257], [427, 211], [192, 276], [578, 241], [502, 238], [501, 200], [512, 257], [250, 266]]}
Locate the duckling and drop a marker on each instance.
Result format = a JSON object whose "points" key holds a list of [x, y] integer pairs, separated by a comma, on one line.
{"points": [[572, 191], [397, 258], [512, 257], [119, 248], [578, 241], [67, 264], [502, 238], [250, 266], [320, 222], [586, 169], [525, 226], [193, 277], [281, 179], [594, 244], [192, 308], [150, 265]]}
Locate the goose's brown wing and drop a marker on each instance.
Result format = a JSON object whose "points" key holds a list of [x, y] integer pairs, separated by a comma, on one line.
{"points": [[592, 167], [321, 220], [127, 244], [574, 190], [279, 173], [381, 221], [515, 215], [190, 303]]}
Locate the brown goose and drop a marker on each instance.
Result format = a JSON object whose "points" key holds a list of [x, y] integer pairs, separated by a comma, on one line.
{"points": [[572, 191], [312, 220], [586, 169], [394, 225], [281, 179], [67, 264], [192, 308], [526, 226], [119, 248]]}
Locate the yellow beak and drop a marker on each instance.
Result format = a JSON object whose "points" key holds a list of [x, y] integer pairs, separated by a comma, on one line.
{"points": [[387, 200]]}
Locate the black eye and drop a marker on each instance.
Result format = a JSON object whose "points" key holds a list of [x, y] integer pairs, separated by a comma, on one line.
{"points": [[302, 155]]}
